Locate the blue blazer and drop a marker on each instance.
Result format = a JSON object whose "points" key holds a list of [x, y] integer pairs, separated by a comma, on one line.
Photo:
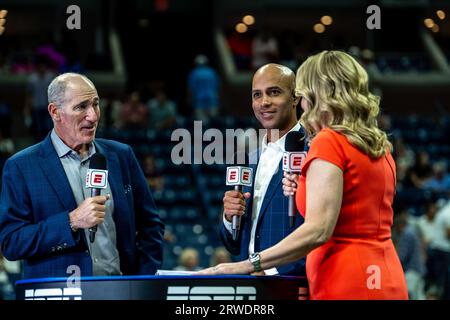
{"points": [[36, 199], [272, 225]]}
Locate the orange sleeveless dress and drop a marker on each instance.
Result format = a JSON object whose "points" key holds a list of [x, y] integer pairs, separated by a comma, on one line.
{"points": [[359, 261]]}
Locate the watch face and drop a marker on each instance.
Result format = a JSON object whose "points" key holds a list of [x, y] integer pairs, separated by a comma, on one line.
{"points": [[255, 259]]}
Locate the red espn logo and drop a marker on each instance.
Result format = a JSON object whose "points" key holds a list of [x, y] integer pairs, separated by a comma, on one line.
{"points": [[96, 178], [239, 176], [292, 161]]}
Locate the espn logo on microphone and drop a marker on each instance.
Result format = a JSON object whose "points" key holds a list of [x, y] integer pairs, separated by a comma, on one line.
{"points": [[96, 178], [239, 176], [292, 161]]}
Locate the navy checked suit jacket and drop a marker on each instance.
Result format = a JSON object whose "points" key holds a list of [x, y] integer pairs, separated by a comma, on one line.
{"points": [[36, 199], [272, 225]]}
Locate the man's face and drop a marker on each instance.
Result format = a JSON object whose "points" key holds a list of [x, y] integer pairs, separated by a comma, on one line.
{"points": [[78, 117], [272, 99]]}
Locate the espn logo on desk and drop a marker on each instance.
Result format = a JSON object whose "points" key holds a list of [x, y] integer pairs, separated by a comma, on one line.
{"points": [[211, 293], [220, 293], [53, 294], [96, 178], [292, 161], [239, 176]]}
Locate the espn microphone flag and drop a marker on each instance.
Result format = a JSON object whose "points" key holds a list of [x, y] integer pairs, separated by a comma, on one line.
{"points": [[293, 158], [96, 179], [239, 176]]}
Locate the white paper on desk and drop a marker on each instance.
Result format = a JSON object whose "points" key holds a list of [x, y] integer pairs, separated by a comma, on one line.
{"points": [[173, 273]]}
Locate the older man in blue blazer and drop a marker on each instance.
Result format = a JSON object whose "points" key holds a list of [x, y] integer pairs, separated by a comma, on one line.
{"points": [[46, 210], [266, 221]]}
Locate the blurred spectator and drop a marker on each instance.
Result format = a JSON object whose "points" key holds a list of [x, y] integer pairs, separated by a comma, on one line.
{"points": [[169, 237], [115, 112], [220, 255], [427, 227], [56, 60], [203, 84], [6, 146], [385, 122], [5, 119], [106, 107], [264, 48], [72, 64], [440, 180], [21, 61], [404, 158], [134, 114], [36, 99], [163, 111], [426, 223], [367, 57], [420, 172], [6, 284], [154, 178], [438, 262], [409, 249], [189, 260], [6, 150]]}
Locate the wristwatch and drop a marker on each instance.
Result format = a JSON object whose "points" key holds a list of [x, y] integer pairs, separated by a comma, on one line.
{"points": [[255, 259]]}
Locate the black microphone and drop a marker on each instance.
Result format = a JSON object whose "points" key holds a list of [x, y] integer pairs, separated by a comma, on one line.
{"points": [[239, 176], [96, 179], [293, 157]]}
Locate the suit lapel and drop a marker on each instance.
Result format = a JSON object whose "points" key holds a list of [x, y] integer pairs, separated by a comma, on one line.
{"points": [[247, 218], [254, 158], [275, 183], [114, 175], [54, 171]]}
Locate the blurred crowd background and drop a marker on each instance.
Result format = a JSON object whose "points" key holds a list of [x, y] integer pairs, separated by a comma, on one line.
{"points": [[152, 61]]}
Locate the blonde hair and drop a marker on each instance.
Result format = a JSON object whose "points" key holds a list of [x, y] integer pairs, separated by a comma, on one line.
{"points": [[187, 255], [336, 89]]}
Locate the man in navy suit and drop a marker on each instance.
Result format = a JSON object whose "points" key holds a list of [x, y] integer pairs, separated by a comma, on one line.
{"points": [[266, 221], [46, 211]]}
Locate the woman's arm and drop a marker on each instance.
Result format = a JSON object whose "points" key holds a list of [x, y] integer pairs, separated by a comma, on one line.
{"points": [[324, 185]]}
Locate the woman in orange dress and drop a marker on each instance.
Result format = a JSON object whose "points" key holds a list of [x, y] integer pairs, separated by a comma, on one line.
{"points": [[345, 190]]}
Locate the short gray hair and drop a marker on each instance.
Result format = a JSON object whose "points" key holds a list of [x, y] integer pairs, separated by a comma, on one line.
{"points": [[57, 88]]}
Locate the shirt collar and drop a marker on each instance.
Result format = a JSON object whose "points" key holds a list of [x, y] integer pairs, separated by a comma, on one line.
{"points": [[63, 150], [280, 142]]}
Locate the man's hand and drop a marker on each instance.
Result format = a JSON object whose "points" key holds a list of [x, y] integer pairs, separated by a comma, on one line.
{"points": [[234, 204], [89, 213]]}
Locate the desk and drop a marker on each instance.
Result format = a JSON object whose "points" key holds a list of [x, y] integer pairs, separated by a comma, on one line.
{"points": [[164, 288]]}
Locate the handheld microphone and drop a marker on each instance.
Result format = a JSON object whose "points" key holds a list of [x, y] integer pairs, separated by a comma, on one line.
{"points": [[239, 176], [96, 179], [293, 158]]}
